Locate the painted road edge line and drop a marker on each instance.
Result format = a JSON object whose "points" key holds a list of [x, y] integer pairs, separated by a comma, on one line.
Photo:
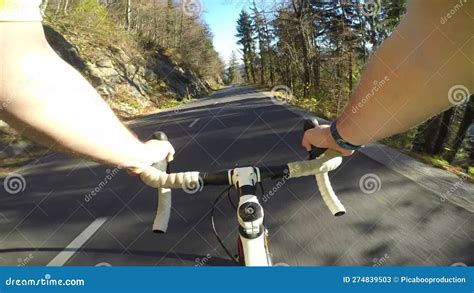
{"points": [[77, 243]]}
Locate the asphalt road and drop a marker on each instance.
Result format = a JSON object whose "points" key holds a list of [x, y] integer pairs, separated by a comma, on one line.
{"points": [[54, 221]]}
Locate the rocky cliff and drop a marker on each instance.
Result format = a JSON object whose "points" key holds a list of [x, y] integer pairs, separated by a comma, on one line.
{"points": [[131, 81]]}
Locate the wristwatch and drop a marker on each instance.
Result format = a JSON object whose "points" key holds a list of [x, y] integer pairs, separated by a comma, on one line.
{"points": [[341, 141]]}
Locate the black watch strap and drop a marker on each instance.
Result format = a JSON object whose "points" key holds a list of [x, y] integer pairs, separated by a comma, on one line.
{"points": [[341, 141]]}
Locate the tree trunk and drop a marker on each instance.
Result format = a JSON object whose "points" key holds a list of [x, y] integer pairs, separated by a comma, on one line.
{"points": [[58, 8], [128, 14], [423, 142], [66, 4], [463, 127], [44, 6], [442, 131], [272, 71], [306, 61], [350, 75]]}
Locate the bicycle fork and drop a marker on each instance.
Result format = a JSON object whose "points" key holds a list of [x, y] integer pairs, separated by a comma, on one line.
{"points": [[252, 233]]}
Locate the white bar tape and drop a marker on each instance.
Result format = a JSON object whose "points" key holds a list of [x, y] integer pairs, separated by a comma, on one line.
{"points": [[328, 195], [159, 179], [163, 213], [325, 163], [320, 167]]}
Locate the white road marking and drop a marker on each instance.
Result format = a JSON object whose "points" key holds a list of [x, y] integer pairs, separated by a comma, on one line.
{"points": [[76, 244], [194, 122]]}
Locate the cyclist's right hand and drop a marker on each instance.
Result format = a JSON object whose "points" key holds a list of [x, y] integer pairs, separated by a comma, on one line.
{"points": [[321, 137]]}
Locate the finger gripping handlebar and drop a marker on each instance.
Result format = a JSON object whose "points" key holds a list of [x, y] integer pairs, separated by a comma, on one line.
{"points": [[184, 180]]}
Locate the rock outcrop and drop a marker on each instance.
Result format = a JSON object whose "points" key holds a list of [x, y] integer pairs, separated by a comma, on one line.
{"points": [[129, 83]]}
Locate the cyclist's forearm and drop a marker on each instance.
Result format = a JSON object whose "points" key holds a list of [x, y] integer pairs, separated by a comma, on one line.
{"points": [[97, 138], [410, 75], [52, 103]]}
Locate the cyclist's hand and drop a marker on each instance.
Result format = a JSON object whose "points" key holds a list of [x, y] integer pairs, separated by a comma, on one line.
{"points": [[321, 137], [159, 150], [154, 151]]}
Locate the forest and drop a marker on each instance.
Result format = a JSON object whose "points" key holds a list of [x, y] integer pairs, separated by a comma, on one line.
{"points": [[318, 49], [173, 27]]}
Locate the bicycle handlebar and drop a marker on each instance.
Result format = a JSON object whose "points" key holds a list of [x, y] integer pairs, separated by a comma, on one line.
{"points": [[322, 180], [321, 162], [183, 180], [163, 211]]}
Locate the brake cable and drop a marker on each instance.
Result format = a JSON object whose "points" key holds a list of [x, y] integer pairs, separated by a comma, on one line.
{"points": [[214, 226]]}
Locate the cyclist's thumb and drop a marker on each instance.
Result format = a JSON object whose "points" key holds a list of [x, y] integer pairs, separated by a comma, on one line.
{"points": [[306, 144]]}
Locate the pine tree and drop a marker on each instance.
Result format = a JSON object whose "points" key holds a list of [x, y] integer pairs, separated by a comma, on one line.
{"points": [[245, 35]]}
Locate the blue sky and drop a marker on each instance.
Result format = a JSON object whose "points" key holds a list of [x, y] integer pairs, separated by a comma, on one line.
{"points": [[221, 16]]}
